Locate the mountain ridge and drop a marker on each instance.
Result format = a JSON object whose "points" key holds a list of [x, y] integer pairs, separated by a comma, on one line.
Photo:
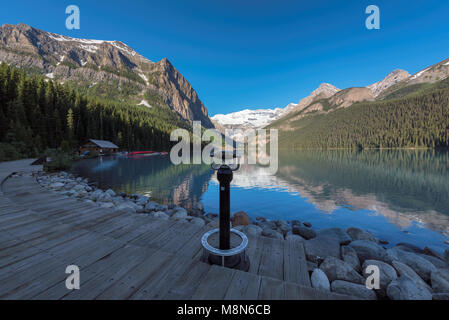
{"points": [[109, 69]]}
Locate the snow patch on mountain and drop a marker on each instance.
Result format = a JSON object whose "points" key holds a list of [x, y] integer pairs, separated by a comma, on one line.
{"points": [[247, 118]]}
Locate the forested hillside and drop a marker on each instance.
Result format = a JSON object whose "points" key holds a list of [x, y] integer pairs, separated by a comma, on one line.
{"points": [[37, 113], [419, 119]]}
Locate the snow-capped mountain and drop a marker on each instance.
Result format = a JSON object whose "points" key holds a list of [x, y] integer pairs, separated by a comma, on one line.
{"points": [[246, 119], [259, 118]]}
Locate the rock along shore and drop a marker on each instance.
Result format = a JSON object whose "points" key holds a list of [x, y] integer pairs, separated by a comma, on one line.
{"points": [[338, 260]]}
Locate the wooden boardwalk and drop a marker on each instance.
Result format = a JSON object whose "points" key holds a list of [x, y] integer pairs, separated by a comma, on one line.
{"points": [[127, 256]]}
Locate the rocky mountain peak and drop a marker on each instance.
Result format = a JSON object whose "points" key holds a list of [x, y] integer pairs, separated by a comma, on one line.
{"points": [[391, 79], [104, 67], [324, 91]]}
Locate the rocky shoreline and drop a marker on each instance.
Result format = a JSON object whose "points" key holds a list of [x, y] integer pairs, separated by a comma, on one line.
{"points": [[338, 260]]}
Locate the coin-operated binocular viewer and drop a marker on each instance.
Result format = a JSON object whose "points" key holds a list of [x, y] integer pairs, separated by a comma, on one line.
{"points": [[221, 251]]}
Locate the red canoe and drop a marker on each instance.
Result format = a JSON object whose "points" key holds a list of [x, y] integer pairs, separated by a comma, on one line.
{"points": [[139, 152]]}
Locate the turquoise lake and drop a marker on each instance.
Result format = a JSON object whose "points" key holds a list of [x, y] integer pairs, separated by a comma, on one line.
{"points": [[398, 195]]}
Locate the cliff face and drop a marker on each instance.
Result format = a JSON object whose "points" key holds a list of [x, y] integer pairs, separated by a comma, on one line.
{"points": [[108, 68], [179, 94]]}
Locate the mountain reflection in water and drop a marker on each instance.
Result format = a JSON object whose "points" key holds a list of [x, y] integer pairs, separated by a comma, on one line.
{"points": [[384, 191]]}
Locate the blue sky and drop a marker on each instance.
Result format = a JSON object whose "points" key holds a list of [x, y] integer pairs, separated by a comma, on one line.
{"points": [[259, 53]]}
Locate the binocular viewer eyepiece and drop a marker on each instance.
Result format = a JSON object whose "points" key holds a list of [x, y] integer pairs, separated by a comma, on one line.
{"points": [[224, 156]]}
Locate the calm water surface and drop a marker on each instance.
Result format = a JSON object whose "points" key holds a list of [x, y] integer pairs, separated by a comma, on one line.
{"points": [[398, 195]]}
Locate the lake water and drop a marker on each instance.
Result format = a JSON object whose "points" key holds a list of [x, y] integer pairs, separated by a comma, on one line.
{"points": [[398, 195]]}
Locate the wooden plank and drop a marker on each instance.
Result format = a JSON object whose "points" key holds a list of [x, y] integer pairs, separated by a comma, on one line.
{"points": [[130, 234], [254, 252], [59, 245], [272, 259], [153, 231], [146, 271], [295, 263], [244, 286], [192, 248], [271, 289], [177, 237], [98, 274], [156, 288], [46, 277], [115, 271], [215, 284], [188, 282], [113, 225]]}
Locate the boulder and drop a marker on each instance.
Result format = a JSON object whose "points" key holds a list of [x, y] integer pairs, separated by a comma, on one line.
{"points": [[252, 230], [337, 233], [296, 223], [435, 261], [267, 225], [110, 192], [353, 289], [160, 215], [96, 194], [79, 187], [440, 280], [142, 200], [386, 274], [319, 248], [195, 213], [304, 232], [349, 255], [404, 270], [282, 227], [405, 246], [270, 233], [261, 219], [359, 234], [106, 205], [126, 206], [240, 219], [162, 207], [369, 250], [179, 215], [152, 206], [446, 255], [420, 265], [403, 288], [337, 269], [319, 280], [431, 252], [105, 197], [57, 185], [307, 224]]}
